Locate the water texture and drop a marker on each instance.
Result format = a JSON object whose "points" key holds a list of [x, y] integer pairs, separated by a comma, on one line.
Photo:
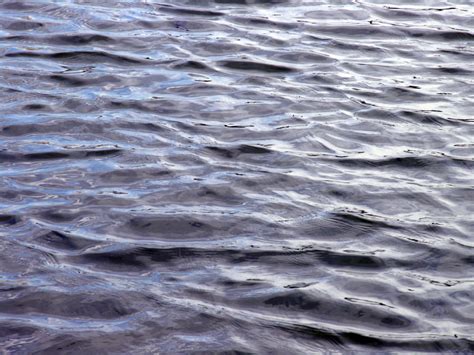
{"points": [[260, 176]]}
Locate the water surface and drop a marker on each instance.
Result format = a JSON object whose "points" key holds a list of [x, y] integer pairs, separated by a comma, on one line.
{"points": [[236, 176]]}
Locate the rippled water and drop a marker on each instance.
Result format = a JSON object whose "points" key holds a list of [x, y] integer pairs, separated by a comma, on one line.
{"points": [[262, 176]]}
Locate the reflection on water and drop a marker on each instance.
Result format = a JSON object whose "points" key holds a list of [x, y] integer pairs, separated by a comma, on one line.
{"points": [[236, 175]]}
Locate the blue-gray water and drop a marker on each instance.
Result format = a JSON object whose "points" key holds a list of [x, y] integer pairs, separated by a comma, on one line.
{"points": [[236, 176]]}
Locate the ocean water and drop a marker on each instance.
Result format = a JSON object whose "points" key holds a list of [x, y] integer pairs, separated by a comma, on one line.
{"points": [[236, 176]]}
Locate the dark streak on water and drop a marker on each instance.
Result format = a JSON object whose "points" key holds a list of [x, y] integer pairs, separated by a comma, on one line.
{"points": [[236, 176]]}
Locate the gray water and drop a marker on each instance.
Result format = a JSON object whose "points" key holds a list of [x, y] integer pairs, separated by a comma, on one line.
{"points": [[236, 176]]}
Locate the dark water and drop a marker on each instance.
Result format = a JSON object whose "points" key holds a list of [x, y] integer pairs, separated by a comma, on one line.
{"points": [[236, 176]]}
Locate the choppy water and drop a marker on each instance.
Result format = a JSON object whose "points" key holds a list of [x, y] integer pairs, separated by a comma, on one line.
{"points": [[236, 175]]}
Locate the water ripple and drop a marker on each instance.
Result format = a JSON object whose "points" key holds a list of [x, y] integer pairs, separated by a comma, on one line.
{"points": [[237, 176]]}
